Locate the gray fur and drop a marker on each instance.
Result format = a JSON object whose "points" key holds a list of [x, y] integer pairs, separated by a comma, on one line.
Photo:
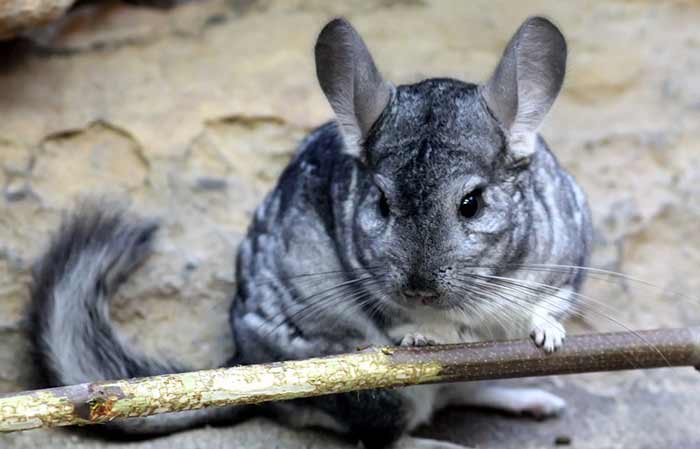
{"points": [[328, 265]]}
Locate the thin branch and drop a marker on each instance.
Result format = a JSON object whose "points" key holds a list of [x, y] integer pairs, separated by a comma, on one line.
{"points": [[100, 402]]}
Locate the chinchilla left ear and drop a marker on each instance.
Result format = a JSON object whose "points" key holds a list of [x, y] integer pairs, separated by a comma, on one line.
{"points": [[526, 83]]}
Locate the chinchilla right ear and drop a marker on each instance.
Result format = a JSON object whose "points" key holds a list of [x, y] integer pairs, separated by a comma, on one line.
{"points": [[526, 83], [354, 87]]}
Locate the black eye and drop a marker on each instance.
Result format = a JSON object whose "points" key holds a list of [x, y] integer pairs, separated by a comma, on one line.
{"points": [[471, 204], [384, 206]]}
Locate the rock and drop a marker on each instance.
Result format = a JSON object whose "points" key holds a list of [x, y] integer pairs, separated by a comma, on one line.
{"points": [[253, 434], [190, 113], [104, 159], [19, 15]]}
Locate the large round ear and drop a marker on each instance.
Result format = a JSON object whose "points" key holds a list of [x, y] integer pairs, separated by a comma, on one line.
{"points": [[526, 82], [354, 87]]}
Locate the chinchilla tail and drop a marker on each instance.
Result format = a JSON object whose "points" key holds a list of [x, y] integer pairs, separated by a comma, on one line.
{"points": [[73, 339]]}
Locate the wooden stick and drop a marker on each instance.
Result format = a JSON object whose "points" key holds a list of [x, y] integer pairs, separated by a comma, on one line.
{"points": [[100, 402]]}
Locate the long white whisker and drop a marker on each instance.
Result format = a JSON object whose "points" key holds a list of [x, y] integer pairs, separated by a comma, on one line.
{"points": [[585, 298]]}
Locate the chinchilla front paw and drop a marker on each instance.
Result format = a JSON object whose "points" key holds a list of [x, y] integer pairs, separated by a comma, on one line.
{"points": [[548, 334]]}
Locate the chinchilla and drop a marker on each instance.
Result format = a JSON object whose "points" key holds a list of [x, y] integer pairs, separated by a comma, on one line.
{"points": [[420, 215]]}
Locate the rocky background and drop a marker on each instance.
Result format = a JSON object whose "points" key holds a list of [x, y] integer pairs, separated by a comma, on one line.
{"points": [[188, 114]]}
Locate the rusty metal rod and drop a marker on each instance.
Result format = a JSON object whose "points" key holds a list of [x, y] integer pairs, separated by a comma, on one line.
{"points": [[101, 402]]}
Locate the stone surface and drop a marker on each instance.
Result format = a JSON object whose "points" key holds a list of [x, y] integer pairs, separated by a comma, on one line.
{"points": [[189, 115], [19, 15]]}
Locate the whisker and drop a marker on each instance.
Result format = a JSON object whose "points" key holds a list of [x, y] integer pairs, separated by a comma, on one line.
{"points": [[593, 273], [356, 301], [471, 291], [586, 300], [317, 300], [515, 300], [322, 301]]}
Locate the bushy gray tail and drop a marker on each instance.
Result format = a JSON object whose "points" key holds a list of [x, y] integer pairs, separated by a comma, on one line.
{"points": [[74, 341]]}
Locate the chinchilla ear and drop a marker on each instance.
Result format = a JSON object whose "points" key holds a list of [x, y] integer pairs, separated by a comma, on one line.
{"points": [[354, 87], [526, 83]]}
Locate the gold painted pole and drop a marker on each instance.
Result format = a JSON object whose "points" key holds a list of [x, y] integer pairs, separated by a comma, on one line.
{"points": [[100, 402]]}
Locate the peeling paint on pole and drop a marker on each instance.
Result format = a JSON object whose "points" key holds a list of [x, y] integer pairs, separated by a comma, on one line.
{"points": [[101, 402], [37, 409], [105, 401]]}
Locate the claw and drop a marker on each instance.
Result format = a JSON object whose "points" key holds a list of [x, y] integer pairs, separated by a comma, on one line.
{"points": [[416, 339]]}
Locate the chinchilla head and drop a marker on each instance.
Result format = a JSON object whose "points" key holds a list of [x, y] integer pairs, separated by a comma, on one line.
{"points": [[447, 162]]}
